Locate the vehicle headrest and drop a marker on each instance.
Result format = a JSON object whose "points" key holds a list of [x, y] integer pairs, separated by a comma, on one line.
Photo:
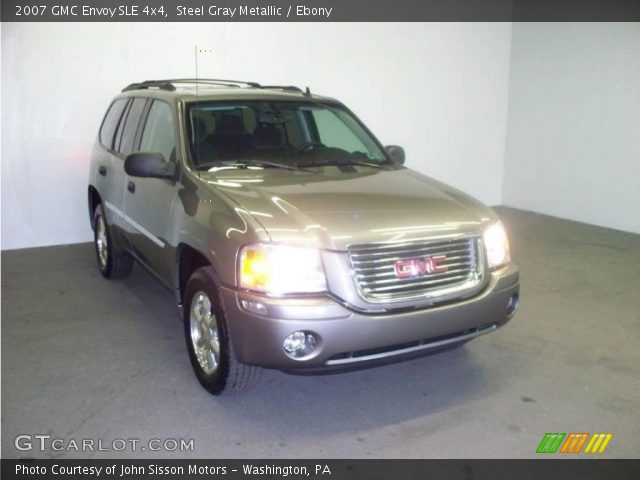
{"points": [[229, 124]]}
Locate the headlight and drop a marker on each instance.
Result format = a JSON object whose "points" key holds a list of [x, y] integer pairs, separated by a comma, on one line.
{"points": [[497, 246], [279, 269]]}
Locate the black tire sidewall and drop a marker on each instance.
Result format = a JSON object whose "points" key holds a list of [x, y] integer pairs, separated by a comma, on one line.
{"points": [[106, 269], [204, 280]]}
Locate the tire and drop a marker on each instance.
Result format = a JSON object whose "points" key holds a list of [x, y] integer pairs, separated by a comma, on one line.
{"points": [[113, 262], [206, 329]]}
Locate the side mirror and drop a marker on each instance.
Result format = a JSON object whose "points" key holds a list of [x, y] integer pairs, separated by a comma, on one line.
{"points": [[149, 165], [396, 153]]}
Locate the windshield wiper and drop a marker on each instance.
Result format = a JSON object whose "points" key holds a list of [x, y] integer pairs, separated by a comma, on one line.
{"points": [[254, 162], [340, 161], [269, 163]]}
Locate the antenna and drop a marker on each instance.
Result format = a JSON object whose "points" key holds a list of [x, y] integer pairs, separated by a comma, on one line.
{"points": [[193, 133], [196, 51]]}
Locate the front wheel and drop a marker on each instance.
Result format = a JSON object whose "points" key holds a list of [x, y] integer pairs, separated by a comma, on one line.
{"points": [[208, 341]]}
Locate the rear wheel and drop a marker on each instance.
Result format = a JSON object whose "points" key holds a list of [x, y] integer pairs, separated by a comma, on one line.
{"points": [[113, 262], [208, 342]]}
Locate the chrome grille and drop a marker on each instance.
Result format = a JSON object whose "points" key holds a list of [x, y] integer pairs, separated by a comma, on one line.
{"points": [[374, 268]]}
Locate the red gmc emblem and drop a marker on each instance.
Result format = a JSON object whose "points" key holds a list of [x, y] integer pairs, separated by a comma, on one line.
{"points": [[420, 266]]}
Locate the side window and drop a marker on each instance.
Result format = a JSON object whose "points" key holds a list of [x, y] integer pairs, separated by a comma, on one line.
{"points": [[131, 125], [116, 141], [110, 122], [158, 135]]}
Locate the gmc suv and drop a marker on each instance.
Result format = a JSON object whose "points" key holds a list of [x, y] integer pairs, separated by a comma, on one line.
{"points": [[290, 237]]}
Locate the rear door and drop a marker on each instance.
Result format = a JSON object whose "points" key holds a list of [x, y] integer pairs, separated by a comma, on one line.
{"points": [[110, 177], [122, 144], [149, 202]]}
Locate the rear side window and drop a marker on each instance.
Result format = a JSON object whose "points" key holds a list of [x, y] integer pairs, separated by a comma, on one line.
{"points": [[158, 135], [131, 125], [110, 122]]}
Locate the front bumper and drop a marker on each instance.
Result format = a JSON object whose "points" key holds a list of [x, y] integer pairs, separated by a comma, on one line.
{"points": [[348, 338]]}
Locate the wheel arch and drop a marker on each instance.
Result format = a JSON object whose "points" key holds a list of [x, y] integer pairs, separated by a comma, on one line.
{"points": [[94, 199], [188, 260]]}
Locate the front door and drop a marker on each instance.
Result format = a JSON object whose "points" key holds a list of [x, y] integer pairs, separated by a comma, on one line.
{"points": [[148, 202]]}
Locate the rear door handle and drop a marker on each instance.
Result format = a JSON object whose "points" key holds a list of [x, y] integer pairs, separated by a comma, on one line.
{"points": [[102, 170], [131, 186]]}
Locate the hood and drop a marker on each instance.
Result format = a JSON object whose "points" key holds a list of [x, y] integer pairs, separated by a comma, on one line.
{"points": [[333, 207]]}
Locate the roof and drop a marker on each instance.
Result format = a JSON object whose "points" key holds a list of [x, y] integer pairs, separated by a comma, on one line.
{"points": [[209, 89]]}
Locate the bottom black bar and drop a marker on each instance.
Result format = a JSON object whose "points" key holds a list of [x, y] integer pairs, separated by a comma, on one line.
{"points": [[322, 469]]}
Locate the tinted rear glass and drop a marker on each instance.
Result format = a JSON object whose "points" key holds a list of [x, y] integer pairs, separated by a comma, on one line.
{"points": [[131, 125], [110, 122]]}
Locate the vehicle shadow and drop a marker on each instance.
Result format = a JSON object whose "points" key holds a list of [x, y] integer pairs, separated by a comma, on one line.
{"points": [[295, 407]]}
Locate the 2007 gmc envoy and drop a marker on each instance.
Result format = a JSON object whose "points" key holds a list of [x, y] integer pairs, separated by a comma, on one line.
{"points": [[291, 238]]}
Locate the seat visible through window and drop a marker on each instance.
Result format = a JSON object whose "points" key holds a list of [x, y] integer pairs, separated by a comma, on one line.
{"points": [[267, 136], [230, 139], [203, 152]]}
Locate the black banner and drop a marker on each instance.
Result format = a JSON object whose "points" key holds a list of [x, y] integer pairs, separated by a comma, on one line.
{"points": [[319, 10], [322, 469]]}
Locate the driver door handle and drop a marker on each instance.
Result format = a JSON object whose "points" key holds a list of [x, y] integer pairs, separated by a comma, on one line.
{"points": [[131, 186]]}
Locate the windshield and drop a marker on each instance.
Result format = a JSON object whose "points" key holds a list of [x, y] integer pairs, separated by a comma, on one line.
{"points": [[290, 133]]}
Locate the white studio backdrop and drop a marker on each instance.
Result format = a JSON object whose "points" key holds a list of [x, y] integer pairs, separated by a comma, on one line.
{"points": [[467, 107], [573, 138], [440, 90]]}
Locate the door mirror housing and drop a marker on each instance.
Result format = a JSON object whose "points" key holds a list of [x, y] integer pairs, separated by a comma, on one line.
{"points": [[149, 165], [396, 153]]}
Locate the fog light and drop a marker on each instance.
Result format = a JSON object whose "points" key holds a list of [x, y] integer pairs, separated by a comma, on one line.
{"points": [[512, 305], [255, 307], [299, 344]]}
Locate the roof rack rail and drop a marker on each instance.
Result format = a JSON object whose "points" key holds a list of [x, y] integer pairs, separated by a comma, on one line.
{"points": [[288, 88], [169, 85], [161, 84], [214, 81]]}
